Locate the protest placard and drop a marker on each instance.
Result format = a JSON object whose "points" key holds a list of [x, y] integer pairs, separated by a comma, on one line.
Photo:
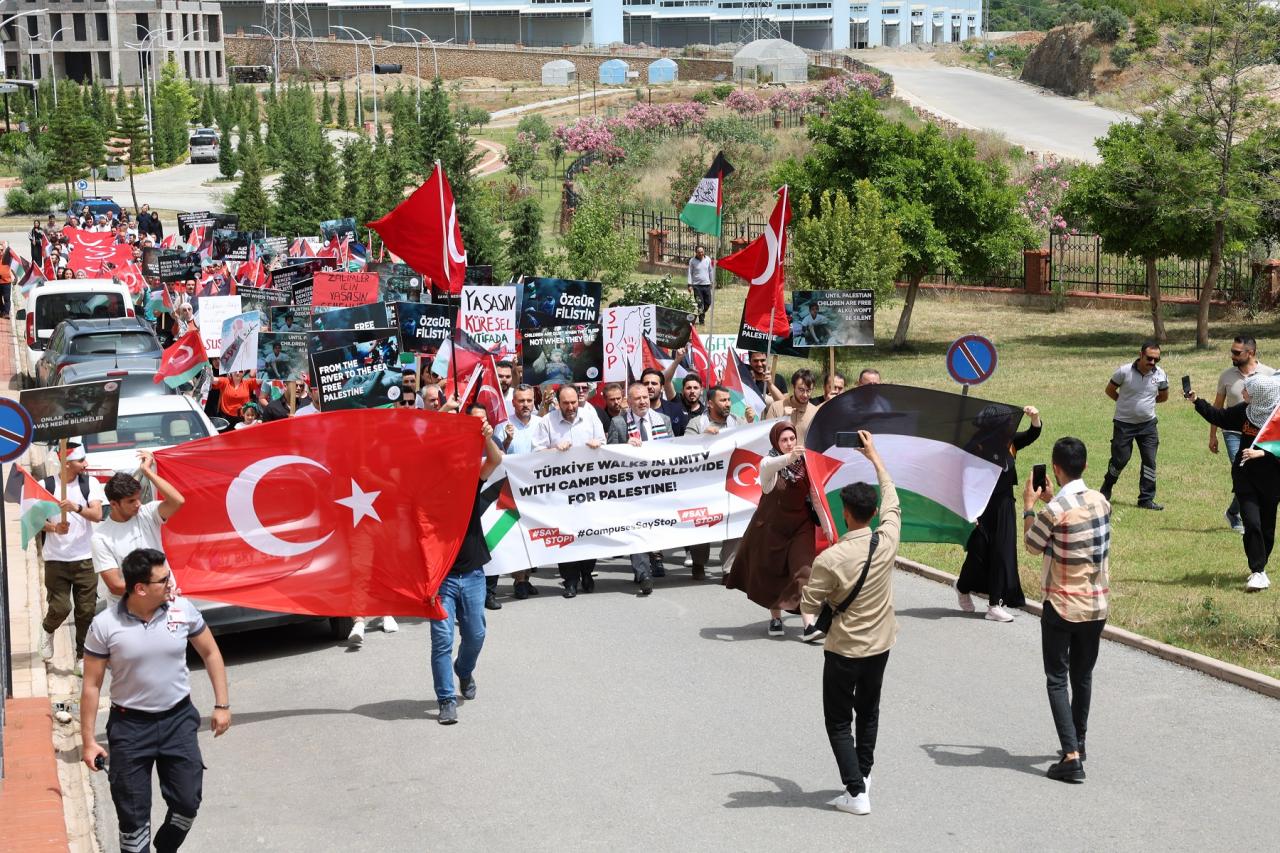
{"points": [[151, 261], [371, 316], [423, 326], [66, 411], [261, 299], [285, 276], [240, 342], [290, 318], [193, 219], [344, 289], [302, 291], [177, 265], [362, 375], [400, 283], [753, 340], [561, 354], [488, 315], [343, 229], [478, 274], [212, 311], [269, 247], [673, 327], [230, 245], [719, 348], [335, 338], [282, 355], [625, 329], [225, 221], [833, 318], [558, 302]]}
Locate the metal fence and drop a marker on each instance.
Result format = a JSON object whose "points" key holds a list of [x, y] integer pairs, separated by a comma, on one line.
{"points": [[681, 239], [1078, 263]]}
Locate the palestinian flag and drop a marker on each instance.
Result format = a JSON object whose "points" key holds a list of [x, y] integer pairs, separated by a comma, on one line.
{"points": [[183, 360], [500, 523], [702, 213], [736, 377], [38, 506], [944, 452], [1269, 436]]}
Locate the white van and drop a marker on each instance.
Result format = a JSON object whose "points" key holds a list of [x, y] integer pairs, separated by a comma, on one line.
{"points": [[72, 299], [204, 147]]}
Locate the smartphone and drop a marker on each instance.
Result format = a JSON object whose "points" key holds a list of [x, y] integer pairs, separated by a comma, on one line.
{"points": [[1186, 386], [848, 439], [1039, 477]]}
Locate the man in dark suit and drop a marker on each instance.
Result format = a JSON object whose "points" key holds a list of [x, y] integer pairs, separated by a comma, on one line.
{"points": [[641, 423]]}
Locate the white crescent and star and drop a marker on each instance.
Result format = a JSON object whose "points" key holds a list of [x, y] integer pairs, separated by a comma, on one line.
{"points": [[738, 471], [451, 230], [244, 519]]}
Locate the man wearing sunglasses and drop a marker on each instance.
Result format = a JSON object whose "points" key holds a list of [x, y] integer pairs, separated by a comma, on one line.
{"points": [[1244, 363], [1137, 388]]}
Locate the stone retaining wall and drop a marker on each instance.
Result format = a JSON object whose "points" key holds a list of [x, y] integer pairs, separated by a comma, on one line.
{"points": [[337, 59]]}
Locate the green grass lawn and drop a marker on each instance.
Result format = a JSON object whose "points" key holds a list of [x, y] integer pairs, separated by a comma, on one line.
{"points": [[1176, 576]]}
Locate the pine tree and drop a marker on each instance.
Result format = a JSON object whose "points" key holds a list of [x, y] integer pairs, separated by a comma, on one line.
{"points": [[171, 111], [326, 108], [350, 201], [226, 154], [206, 108], [343, 121], [133, 145], [524, 250], [250, 200]]}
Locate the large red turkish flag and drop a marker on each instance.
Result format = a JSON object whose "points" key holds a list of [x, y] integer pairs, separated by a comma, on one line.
{"points": [[424, 231], [89, 249], [348, 513], [762, 263]]}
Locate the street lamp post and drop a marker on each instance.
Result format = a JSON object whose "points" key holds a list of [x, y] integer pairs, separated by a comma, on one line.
{"points": [[417, 66], [417, 69], [372, 62], [275, 51], [53, 67]]}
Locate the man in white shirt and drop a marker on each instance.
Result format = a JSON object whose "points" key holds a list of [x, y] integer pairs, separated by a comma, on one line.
{"points": [[68, 551], [517, 438], [1244, 363], [131, 524], [563, 427], [1137, 388], [641, 423], [718, 418]]}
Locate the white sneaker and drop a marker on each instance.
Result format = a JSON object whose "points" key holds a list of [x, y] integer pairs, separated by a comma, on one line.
{"points": [[860, 805], [965, 600], [46, 646], [1257, 582], [389, 625], [356, 638], [688, 562], [996, 613]]}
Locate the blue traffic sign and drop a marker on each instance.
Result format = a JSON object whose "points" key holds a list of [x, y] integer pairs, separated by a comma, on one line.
{"points": [[971, 360], [82, 184], [15, 429]]}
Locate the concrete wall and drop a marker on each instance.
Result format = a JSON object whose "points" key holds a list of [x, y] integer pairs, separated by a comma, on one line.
{"points": [[337, 59]]}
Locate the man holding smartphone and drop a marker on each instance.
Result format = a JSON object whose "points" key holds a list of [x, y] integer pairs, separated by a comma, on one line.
{"points": [[1244, 363], [1137, 388]]}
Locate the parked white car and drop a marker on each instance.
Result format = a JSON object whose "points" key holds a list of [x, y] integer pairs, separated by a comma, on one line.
{"points": [[75, 299]]}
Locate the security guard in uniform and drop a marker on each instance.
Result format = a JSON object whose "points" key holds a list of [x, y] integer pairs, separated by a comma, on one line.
{"points": [[143, 639]]}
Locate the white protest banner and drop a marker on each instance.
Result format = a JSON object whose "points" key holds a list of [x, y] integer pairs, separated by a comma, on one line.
{"points": [[625, 329], [214, 311], [240, 343], [586, 503], [488, 315], [718, 349]]}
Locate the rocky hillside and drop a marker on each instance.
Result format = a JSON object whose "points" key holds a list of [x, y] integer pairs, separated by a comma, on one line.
{"points": [[1064, 61]]}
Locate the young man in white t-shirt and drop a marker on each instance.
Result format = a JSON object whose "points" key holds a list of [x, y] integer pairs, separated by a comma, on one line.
{"points": [[68, 552], [131, 524]]}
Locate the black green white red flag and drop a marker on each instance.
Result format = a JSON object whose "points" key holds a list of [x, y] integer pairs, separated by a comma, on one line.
{"points": [[944, 452], [703, 212]]}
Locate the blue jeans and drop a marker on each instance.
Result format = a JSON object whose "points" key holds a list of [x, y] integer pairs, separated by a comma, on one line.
{"points": [[462, 597], [1232, 440]]}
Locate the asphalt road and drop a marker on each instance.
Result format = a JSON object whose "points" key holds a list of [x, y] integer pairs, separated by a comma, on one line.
{"points": [[1026, 115], [675, 723]]}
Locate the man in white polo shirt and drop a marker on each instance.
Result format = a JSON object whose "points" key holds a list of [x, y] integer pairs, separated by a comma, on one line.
{"points": [[131, 524], [143, 640], [1137, 388], [563, 427]]}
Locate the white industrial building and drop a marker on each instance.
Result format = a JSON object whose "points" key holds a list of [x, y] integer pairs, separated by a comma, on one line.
{"points": [[111, 41], [814, 24]]}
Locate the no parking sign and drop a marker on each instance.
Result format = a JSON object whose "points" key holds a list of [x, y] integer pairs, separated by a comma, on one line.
{"points": [[971, 360], [15, 429]]}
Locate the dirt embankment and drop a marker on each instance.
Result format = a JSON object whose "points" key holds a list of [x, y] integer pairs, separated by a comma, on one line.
{"points": [[1064, 61]]}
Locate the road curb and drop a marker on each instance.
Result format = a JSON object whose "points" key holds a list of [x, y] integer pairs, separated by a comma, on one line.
{"points": [[1229, 672]]}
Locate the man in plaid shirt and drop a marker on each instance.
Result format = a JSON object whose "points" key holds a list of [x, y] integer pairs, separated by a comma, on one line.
{"points": [[1073, 532]]}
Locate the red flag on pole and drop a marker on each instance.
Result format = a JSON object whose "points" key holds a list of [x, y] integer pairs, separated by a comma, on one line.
{"points": [[294, 517], [423, 230], [761, 262], [182, 360], [700, 360]]}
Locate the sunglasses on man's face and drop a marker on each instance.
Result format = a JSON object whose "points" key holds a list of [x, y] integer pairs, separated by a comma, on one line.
{"points": [[1152, 359], [1237, 353]]}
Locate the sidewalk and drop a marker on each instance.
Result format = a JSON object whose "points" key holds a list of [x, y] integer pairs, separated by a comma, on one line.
{"points": [[34, 810]]}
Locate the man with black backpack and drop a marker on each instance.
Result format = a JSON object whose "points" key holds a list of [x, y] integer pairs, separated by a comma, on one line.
{"points": [[853, 579], [68, 551]]}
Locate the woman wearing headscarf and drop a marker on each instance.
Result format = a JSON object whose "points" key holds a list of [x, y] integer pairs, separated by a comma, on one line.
{"points": [[991, 558], [1256, 477], [776, 554]]}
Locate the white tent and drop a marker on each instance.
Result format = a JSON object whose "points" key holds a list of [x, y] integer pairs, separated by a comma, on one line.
{"points": [[771, 61], [559, 72]]}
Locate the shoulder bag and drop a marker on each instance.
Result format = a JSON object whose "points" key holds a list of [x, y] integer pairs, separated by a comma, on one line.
{"points": [[828, 613]]}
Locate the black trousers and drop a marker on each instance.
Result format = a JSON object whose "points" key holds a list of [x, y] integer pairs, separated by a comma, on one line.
{"points": [[137, 741], [1123, 437], [851, 699], [6, 291], [1258, 514], [1070, 650], [702, 295], [576, 572]]}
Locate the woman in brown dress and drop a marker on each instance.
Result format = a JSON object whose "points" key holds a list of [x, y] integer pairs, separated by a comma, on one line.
{"points": [[776, 554]]}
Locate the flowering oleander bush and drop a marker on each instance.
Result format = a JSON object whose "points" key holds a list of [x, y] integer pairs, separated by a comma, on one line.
{"points": [[1043, 189], [790, 100], [589, 135], [744, 102]]}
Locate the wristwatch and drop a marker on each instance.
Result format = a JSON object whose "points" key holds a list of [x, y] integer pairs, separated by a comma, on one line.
{"points": [[222, 707], [1028, 513], [79, 508]]}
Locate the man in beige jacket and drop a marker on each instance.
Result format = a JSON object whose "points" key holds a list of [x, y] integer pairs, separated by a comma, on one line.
{"points": [[796, 406], [857, 646]]}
